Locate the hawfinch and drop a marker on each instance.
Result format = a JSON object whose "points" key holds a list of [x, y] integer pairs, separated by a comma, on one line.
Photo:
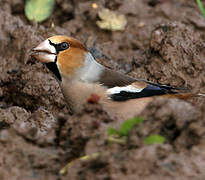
{"points": [[80, 77]]}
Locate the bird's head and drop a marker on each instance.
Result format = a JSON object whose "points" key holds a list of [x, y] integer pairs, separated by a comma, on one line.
{"points": [[62, 55]]}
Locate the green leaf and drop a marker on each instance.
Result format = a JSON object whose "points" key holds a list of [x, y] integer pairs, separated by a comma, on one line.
{"points": [[125, 127], [128, 125], [39, 10], [154, 139], [201, 7], [112, 131]]}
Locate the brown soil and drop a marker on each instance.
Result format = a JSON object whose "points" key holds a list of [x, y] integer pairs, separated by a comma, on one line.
{"points": [[163, 42]]}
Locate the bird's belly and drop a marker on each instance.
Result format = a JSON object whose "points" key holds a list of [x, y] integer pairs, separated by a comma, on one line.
{"points": [[77, 94], [124, 110]]}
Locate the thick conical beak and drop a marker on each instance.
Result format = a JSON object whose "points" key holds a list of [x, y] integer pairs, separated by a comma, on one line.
{"points": [[44, 52]]}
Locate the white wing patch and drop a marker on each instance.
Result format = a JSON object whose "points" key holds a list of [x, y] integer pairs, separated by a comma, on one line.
{"points": [[129, 88]]}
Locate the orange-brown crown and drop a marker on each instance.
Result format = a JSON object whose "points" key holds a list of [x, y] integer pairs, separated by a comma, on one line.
{"points": [[74, 43]]}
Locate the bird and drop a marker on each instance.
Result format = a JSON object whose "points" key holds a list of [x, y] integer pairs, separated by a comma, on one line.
{"points": [[81, 77]]}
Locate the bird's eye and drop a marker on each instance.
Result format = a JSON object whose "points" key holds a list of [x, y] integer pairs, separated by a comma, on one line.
{"points": [[64, 45]]}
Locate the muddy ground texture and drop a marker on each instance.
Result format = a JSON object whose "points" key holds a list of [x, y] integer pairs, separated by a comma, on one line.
{"points": [[163, 42]]}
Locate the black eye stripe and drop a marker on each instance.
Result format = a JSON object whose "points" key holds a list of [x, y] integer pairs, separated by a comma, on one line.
{"points": [[60, 47], [64, 45], [51, 43]]}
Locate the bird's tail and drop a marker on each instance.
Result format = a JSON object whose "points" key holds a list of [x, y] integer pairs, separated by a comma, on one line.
{"points": [[184, 95]]}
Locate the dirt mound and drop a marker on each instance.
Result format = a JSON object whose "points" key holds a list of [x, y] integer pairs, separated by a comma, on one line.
{"points": [[176, 120]]}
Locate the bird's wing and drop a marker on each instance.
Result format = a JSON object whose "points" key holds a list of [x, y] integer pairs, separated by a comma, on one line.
{"points": [[110, 78], [122, 87]]}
